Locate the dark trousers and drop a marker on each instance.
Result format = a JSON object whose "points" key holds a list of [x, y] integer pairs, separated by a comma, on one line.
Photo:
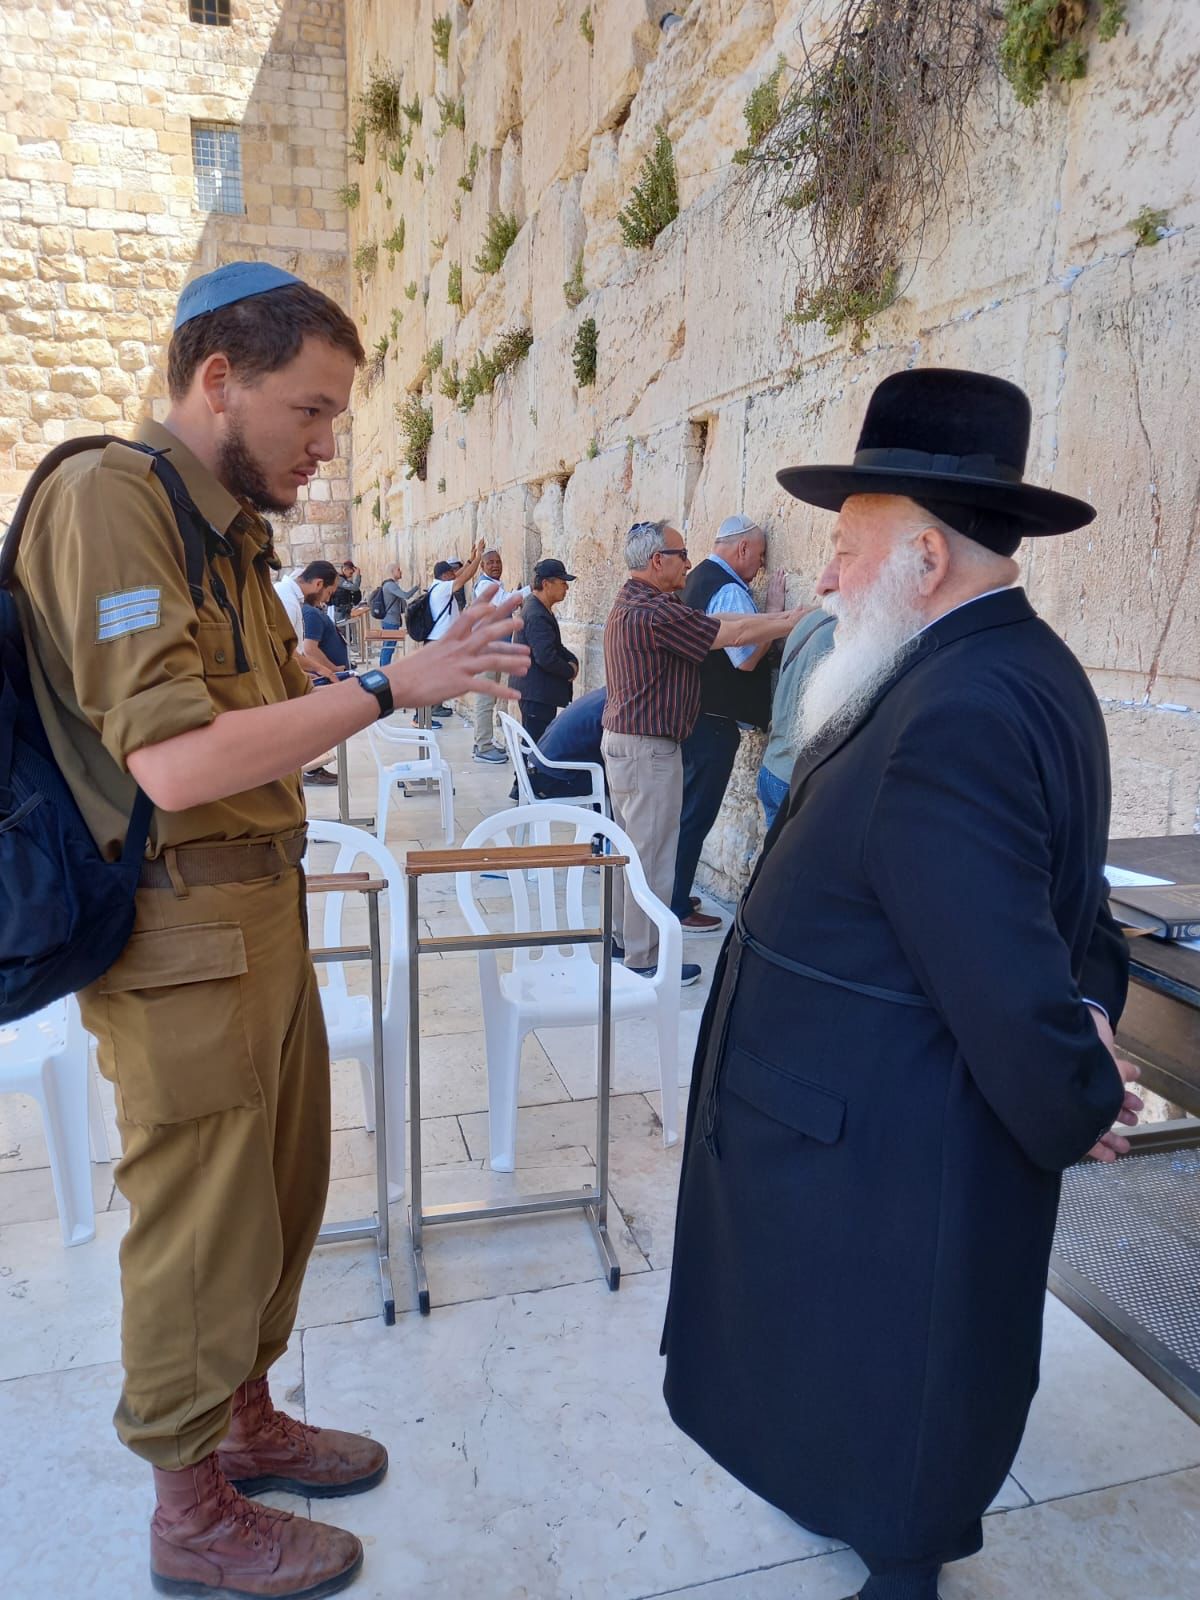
{"points": [[708, 756], [909, 1584], [536, 717]]}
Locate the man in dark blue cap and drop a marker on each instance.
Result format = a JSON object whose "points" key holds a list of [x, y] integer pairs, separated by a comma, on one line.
{"points": [[549, 683], [184, 682], [910, 1030]]}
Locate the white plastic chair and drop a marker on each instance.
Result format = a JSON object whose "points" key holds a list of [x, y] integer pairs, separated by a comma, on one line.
{"points": [[348, 1016], [46, 1056], [404, 754], [522, 747], [558, 987]]}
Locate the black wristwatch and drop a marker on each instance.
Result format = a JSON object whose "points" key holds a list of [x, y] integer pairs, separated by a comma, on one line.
{"points": [[376, 683]]}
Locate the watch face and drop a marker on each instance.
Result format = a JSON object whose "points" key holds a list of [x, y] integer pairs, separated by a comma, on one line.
{"points": [[373, 680]]}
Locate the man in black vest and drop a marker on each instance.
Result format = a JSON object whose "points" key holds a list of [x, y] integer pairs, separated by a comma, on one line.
{"points": [[910, 1031], [735, 693]]}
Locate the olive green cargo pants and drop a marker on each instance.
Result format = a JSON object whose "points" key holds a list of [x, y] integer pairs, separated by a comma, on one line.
{"points": [[210, 1027]]}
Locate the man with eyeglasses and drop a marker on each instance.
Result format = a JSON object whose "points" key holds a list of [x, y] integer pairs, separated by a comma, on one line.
{"points": [[653, 649]]}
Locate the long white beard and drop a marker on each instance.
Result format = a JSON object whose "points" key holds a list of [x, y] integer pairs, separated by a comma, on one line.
{"points": [[872, 638]]}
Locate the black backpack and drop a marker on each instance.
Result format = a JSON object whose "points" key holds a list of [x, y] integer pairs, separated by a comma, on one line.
{"points": [[377, 605], [66, 913], [419, 618]]}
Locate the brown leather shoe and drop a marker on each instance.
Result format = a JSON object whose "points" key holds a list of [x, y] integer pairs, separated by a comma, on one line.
{"points": [[206, 1539], [701, 922], [266, 1449]]}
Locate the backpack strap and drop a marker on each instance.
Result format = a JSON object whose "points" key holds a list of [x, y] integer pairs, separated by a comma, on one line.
{"points": [[48, 464]]}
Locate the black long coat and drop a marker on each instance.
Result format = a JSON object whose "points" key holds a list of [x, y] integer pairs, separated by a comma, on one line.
{"points": [[875, 1142]]}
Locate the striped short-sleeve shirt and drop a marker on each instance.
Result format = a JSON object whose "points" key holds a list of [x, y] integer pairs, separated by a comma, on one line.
{"points": [[653, 647]]}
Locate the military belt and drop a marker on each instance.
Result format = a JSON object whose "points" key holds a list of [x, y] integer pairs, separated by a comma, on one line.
{"points": [[194, 866]]}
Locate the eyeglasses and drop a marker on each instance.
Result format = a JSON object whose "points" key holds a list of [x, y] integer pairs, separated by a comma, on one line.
{"points": [[668, 550]]}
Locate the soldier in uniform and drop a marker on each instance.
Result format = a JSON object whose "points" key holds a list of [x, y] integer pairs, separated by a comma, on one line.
{"points": [[209, 1024]]}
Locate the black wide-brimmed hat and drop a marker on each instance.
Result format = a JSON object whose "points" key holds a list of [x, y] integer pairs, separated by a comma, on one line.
{"points": [[955, 438]]}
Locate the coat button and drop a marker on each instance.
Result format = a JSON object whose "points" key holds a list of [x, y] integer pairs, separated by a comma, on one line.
{"points": [[220, 656]]}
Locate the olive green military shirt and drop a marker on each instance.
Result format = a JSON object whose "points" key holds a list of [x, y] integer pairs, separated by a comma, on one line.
{"points": [[120, 656]]}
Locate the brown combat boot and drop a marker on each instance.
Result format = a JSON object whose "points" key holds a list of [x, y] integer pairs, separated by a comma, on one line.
{"points": [[266, 1449], [206, 1539]]}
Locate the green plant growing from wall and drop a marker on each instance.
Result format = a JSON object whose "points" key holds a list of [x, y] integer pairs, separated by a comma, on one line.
{"points": [[349, 195], [410, 290], [855, 165], [378, 185], [583, 353], [357, 147], [654, 203], [453, 113], [448, 382], [385, 527], [441, 486], [380, 346], [415, 421], [377, 510], [585, 25], [1042, 41], [487, 368], [467, 181], [457, 208], [394, 243], [419, 171], [412, 109], [399, 153], [574, 290], [761, 112], [441, 37], [433, 356], [454, 284], [438, 244], [380, 102], [502, 228], [397, 319], [366, 257], [593, 449], [1149, 227]]}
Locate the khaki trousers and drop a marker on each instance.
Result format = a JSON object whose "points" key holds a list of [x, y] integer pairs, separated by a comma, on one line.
{"points": [[645, 780], [485, 712], [210, 1027]]}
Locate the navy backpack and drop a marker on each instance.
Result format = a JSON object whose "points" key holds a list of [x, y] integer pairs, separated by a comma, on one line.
{"points": [[66, 913]]}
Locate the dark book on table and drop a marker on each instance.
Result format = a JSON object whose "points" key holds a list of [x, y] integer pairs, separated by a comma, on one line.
{"points": [[1170, 910]]}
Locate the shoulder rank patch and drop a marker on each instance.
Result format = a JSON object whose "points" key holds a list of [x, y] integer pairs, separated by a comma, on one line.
{"points": [[130, 611]]}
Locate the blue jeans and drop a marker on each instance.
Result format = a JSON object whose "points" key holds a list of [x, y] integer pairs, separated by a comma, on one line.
{"points": [[388, 651], [772, 792]]}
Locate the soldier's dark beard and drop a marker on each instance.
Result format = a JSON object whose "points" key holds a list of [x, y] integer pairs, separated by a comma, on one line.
{"points": [[243, 476]]}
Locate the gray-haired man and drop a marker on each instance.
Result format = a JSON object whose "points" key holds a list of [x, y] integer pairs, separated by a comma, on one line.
{"points": [[654, 645]]}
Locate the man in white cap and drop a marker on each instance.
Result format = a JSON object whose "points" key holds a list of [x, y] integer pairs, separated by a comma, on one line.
{"points": [[735, 693]]}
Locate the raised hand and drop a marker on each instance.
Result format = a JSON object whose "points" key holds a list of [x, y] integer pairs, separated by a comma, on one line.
{"points": [[477, 642]]}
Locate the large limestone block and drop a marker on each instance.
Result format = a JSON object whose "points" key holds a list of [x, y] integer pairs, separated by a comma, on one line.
{"points": [[601, 199], [718, 490], [1155, 769], [640, 322], [1132, 133], [557, 121], [489, 53], [1119, 390], [627, 38], [559, 236]]}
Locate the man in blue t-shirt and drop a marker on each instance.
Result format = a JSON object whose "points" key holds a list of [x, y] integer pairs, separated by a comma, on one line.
{"points": [[574, 735], [323, 646]]}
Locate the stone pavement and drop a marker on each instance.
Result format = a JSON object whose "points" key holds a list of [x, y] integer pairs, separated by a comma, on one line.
{"points": [[532, 1456]]}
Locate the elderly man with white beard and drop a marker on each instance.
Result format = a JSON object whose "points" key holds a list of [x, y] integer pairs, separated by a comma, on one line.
{"points": [[909, 1035]]}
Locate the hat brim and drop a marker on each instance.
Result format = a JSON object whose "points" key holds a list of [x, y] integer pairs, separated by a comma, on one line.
{"points": [[1035, 511]]}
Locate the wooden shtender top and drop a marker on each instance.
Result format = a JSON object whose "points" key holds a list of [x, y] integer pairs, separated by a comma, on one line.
{"points": [[506, 858]]}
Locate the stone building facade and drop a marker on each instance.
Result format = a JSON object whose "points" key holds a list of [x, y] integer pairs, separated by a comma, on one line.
{"points": [[702, 389], [116, 119]]}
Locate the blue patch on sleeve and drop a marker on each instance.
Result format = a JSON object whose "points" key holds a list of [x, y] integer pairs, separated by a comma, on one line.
{"points": [[129, 611]]}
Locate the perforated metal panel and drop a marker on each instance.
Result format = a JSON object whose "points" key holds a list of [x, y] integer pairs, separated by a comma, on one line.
{"points": [[1132, 1229]]}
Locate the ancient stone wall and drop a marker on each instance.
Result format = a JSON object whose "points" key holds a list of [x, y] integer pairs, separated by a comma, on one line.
{"points": [[99, 221], [703, 391]]}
